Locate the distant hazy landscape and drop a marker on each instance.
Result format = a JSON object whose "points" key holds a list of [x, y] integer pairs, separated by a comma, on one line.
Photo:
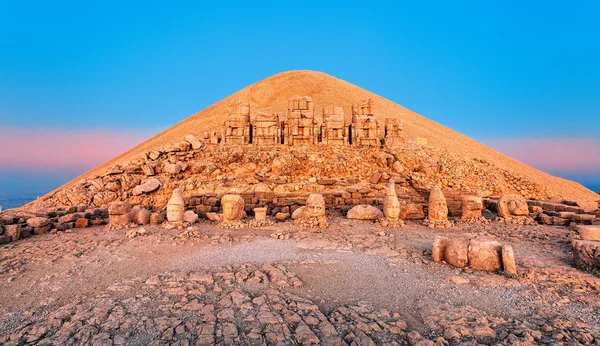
{"points": [[20, 187]]}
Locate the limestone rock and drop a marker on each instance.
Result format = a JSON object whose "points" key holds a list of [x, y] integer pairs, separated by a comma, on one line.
{"points": [[190, 216], [118, 214], [589, 232], [453, 251], [142, 216], [148, 186], [172, 168], [119, 208], [588, 205], [364, 212], [157, 218], [508, 260], [194, 142], [260, 214], [587, 253], [82, 222], [36, 222], [282, 216], [471, 207], [485, 254], [13, 232]]}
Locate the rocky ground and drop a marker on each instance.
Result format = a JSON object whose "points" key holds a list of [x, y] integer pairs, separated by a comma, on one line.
{"points": [[353, 284]]}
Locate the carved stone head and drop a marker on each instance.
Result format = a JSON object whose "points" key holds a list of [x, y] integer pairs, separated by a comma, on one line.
{"points": [[315, 205], [175, 207], [233, 208], [391, 204], [438, 208], [512, 205]]}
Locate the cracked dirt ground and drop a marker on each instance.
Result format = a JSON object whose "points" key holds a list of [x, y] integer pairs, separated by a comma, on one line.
{"points": [[349, 285]]}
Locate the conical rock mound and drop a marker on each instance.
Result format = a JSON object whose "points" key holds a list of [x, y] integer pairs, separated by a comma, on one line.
{"points": [[449, 158]]}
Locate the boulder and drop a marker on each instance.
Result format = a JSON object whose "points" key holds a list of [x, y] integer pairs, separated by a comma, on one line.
{"points": [[282, 216], [70, 217], [119, 208], [157, 218], [589, 232], [81, 222], [194, 142], [365, 212], [190, 216], [299, 213], [118, 213], [36, 222], [142, 216], [587, 253], [172, 168], [148, 186]]}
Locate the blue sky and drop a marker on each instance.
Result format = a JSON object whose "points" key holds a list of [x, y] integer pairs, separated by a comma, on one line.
{"points": [[494, 71]]}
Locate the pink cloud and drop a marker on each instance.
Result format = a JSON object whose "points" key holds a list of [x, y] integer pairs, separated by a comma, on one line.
{"points": [[59, 149], [552, 154]]}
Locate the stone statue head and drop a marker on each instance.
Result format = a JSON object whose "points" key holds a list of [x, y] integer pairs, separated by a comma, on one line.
{"points": [[175, 207], [438, 208], [233, 208], [471, 207], [315, 205], [512, 205], [391, 204]]}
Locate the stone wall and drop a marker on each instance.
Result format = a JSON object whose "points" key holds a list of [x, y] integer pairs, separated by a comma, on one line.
{"points": [[561, 213], [13, 228]]}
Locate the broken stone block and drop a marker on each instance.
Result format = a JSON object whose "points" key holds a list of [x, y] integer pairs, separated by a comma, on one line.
{"points": [[147, 186], [194, 142], [589, 232], [38, 222], [118, 214], [260, 214], [157, 218], [190, 216], [365, 212], [453, 251], [586, 253], [471, 207], [282, 216], [141, 216], [13, 232], [81, 222], [508, 260], [485, 254]]}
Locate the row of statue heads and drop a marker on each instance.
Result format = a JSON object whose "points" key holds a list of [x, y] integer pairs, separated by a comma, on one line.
{"points": [[313, 214], [302, 126]]}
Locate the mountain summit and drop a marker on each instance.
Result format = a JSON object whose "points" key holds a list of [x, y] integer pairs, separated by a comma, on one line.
{"points": [[432, 155]]}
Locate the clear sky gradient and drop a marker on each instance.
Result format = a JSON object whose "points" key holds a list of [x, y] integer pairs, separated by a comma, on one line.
{"points": [[100, 77]]}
